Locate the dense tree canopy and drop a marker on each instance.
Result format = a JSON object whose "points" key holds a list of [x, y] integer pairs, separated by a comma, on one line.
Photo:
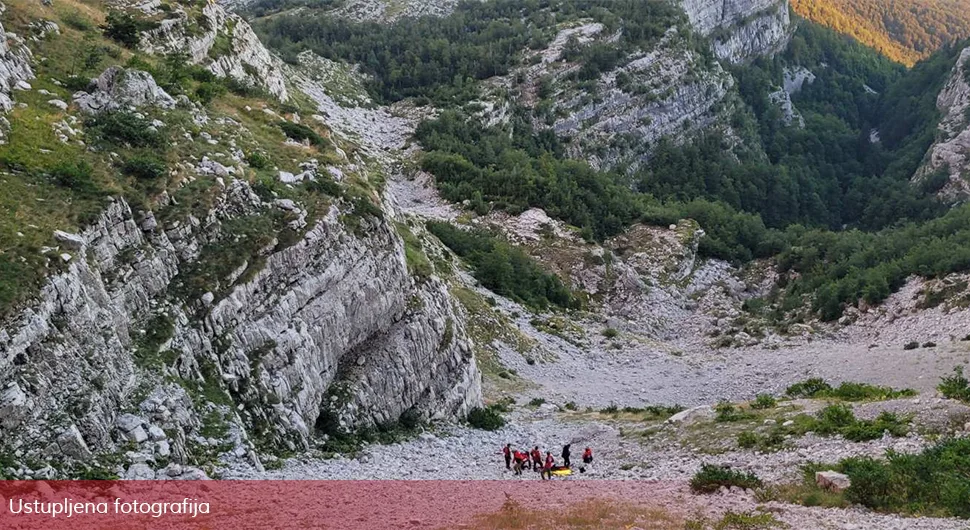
{"points": [[906, 31], [441, 57]]}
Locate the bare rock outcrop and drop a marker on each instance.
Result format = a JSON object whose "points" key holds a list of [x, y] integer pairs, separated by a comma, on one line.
{"points": [[118, 88], [331, 326], [741, 29], [222, 41], [950, 154]]}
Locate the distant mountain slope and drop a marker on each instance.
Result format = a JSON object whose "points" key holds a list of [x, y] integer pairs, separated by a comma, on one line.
{"points": [[904, 30]]}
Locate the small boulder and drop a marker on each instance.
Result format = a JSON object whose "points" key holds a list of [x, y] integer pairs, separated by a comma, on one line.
{"points": [[59, 104], [832, 480], [694, 415], [120, 88], [72, 443], [156, 433], [70, 241], [140, 472]]}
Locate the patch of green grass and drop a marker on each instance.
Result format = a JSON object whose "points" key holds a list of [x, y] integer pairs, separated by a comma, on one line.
{"points": [[934, 483], [243, 241], [158, 329], [487, 419], [417, 261], [764, 402], [819, 389], [710, 478], [726, 411], [300, 133], [955, 386], [839, 420]]}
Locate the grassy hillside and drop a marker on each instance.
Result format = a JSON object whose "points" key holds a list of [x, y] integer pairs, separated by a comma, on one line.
{"points": [[903, 30], [52, 183]]}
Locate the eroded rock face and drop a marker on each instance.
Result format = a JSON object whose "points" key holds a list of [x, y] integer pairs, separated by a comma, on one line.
{"points": [[15, 67], [741, 29], [246, 60], [675, 96], [333, 323], [120, 88], [950, 154]]}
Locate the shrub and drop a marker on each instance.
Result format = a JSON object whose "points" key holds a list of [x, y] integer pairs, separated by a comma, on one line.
{"points": [[764, 401], [911, 345], [504, 268], [839, 419], [661, 411], [487, 419], [834, 418], [936, 481], [258, 160], [861, 431], [536, 402], [726, 411], [530, 361], [144, 167], [929, 344], [325, 186], [76, 83], [808, 388], [571, 405], [848, 391], [748, 439], [610, 333], [208, 91], [710, 478], [612, 409], [75, 176], [126, 29], [300, 133], [125, 128], [955, 386]]}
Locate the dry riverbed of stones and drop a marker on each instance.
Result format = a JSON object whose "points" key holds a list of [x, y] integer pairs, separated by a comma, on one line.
{"points": [[659, 451]]}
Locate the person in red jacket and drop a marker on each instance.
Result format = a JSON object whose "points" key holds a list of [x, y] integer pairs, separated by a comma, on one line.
{"points": [[547, 468], [588, 456], [536, 459], [519, 459], [507, 451]]}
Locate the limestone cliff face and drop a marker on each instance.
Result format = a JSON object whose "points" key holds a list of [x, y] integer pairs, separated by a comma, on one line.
{"points": [[669, 90], [14, 67], [333, 326], [673, 95], [951, 151], [741, 29], [224, 42]]}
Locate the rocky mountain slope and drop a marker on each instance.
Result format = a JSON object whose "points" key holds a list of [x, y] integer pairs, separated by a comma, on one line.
{"points": [[239, 311], [949, 153], [223, 267]]}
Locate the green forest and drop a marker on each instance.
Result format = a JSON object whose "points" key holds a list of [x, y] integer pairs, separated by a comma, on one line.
{"points": [[442, 58], [906, 31], [830, 204]]}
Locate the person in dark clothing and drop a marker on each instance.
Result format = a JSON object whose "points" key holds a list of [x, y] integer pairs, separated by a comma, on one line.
{"points": [[565, 455], [507, 451]]}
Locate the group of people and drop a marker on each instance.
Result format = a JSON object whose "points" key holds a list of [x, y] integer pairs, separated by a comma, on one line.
{"points": [[517, 461]]}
